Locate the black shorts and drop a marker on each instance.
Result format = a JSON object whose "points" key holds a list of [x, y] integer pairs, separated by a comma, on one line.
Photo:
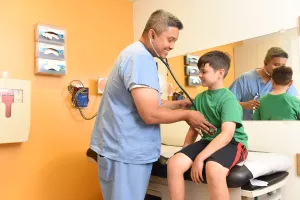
{"points": [[228, 156]]}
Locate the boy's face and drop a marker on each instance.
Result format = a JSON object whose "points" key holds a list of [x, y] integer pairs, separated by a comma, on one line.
{"points": [[209, 76]]}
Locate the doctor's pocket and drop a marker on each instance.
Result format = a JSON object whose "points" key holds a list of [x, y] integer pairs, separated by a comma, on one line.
{"points": [[105, 168]]}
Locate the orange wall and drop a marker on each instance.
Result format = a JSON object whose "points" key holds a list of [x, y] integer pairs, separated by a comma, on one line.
{"points": [[52, 164], [178, 68]]}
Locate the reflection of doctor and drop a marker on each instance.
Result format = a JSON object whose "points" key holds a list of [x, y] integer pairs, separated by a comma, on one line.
{"points": [[257, 83]]}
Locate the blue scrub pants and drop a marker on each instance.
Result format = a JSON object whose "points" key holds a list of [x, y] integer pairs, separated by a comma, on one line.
{"points": [[123, 181]]}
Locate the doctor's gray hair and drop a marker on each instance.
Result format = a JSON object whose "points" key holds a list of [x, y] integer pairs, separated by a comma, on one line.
{"points": [[276, 52], [160, 20]]}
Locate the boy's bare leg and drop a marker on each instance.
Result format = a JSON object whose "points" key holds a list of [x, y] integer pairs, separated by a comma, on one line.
{"points": [[216, 179], [177, 166]]}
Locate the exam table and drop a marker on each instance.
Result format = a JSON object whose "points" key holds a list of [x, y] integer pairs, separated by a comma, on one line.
{"points": [[260, 177]]}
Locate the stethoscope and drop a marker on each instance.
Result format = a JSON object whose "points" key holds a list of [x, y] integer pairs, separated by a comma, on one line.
{"points": [[165, 62]]}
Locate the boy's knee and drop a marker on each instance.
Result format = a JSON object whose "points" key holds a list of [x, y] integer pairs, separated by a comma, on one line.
{"points": [[178, 163], [215, 172], [173, 162]]}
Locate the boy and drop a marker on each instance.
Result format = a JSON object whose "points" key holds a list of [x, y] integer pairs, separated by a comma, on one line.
{"points": [[278, 104], [214, 154]]}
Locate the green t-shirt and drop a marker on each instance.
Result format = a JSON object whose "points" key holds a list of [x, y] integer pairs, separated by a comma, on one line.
{"points": [[278, 107], [219, 106]]}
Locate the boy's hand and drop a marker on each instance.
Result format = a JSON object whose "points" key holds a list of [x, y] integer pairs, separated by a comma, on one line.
{"points": [[197, 120], [196, 171]]}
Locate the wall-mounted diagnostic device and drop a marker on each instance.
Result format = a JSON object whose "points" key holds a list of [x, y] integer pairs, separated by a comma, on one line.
{"points": [[194, 81], [14, 110], [191, 70], [191, 59], [80, 97]]}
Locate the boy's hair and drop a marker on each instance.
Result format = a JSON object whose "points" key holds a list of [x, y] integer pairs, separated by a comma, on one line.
{"points": [[282, 75], [160, 20], [276, 52], [217, 60]]}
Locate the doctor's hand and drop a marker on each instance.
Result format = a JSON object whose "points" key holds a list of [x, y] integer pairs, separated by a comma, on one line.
{"points": [[250, 105], [185, 104], [197, 169], [197, 121]]}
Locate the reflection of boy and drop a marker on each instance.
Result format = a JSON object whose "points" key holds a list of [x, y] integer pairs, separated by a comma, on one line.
{"points": [[279, 105]]}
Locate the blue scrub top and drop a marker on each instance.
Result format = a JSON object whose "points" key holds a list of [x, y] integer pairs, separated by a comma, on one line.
{"points": [[248, 85], [119, 132]]}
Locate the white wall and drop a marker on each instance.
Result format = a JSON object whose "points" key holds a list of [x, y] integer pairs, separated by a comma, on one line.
{"points": [[210, 23]]}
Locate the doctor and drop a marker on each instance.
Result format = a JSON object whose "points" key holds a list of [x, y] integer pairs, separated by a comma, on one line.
{"points": [[252, 85], [126, 135]]}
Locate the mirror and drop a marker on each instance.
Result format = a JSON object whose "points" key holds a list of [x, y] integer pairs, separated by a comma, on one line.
{"points": [[245, 56], [251, 55]]}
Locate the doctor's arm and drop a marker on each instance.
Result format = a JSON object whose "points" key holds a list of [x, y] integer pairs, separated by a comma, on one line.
{"points": [[178, 104], [237, 88], [146, 101], [250, 105]]}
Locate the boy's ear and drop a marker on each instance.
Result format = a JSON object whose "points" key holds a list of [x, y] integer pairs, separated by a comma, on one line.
{"points": [[290, 83], [221, 72]]}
